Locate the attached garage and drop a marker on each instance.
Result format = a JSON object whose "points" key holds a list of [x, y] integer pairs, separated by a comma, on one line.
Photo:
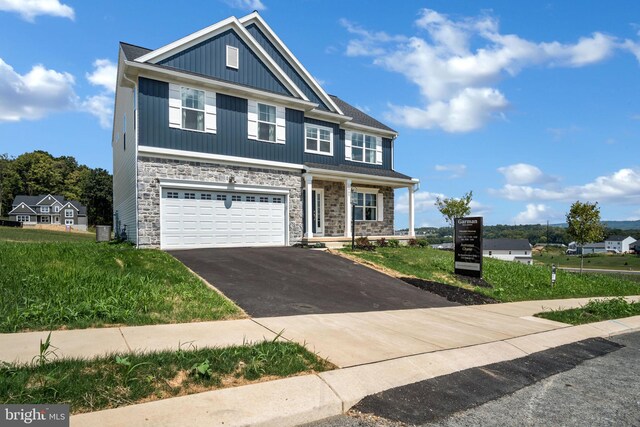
{"points": [[194, 218]]}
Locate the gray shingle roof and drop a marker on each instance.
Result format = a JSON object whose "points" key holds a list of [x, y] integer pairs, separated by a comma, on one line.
{"points": [[506, 245], [358, 116], [132, 51], [32, 202], [359, 169]]}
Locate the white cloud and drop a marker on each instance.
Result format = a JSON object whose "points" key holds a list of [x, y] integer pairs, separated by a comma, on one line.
{"points": [[455, 170], [622, 186], [479, 209], [456, 77], [100, 106], [246, 4], [29, 9], [424, 201], [523, 173], [104, 74], [34, 95], [533, 214]]}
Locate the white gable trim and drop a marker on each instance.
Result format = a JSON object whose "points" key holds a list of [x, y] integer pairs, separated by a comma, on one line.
{"points": [[255, 18], [69, 204], [211, 31], [24, 205], [48, 195]]}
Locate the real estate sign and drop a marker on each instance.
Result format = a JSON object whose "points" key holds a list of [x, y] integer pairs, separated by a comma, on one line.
{"points": [[468, 246]]}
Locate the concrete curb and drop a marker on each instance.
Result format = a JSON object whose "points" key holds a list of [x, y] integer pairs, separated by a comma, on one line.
{"points": [[304, 399]]}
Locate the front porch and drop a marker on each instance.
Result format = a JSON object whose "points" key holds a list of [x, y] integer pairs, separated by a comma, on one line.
{"points": [[328, 208]]}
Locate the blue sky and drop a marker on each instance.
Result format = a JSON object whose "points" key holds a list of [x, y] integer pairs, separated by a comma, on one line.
{"points": [[531, 105]]}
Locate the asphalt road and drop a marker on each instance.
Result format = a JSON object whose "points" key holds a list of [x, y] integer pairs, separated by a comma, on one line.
{"points": [[599, 391], [269, 282]]}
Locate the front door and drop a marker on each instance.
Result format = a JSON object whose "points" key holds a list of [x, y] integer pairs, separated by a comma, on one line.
{"points": [[318, 212]]}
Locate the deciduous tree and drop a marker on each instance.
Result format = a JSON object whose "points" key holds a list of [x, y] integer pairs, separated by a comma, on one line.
{"points": [[584, 225]]}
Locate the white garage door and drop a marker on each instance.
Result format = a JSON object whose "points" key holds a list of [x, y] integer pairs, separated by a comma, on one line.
{"points": [[209, 219]]}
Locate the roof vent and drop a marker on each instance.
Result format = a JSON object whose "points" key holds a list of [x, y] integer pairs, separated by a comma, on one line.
{"points": [[233, 59]]}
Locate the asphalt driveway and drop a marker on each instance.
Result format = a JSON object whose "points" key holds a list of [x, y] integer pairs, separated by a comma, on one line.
{"points": [[268, 282]]}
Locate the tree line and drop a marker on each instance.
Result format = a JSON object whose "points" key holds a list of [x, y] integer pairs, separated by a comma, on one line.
{"points": [[39, 172]]}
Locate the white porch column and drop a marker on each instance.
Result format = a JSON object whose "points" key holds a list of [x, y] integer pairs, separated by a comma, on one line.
{"points": [[412, 231], [347, 208], [308, 179]]}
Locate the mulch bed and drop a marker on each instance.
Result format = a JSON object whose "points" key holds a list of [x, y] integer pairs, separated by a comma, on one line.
{"points": [[452, 293]]}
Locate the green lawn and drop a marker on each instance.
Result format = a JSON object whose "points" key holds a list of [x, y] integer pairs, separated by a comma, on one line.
{"points": [[86, 284], [606, 261], [510, 281], [120, 380], [594, 311], [11, 234]]}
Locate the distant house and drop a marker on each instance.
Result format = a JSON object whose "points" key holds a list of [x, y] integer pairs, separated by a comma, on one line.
{"points": [[48, 209], [443, 246], [592, 248], [619, 244], [518, 250]]}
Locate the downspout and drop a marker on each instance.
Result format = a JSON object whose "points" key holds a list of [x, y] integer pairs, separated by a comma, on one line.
{"points": [[135, 145]]}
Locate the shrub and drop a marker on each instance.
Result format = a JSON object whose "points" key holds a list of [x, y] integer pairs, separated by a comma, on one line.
{"points": [[394, 243], [364, 244], [382, 242], [423, 243], [412, 242]]}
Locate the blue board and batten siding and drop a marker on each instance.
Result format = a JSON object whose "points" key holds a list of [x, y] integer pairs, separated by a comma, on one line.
{"points": [[284, 64], [209, 58], [232, 130]]}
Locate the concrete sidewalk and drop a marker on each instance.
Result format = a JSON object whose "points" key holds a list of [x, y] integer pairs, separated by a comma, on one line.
{"points": [[348, 339]]}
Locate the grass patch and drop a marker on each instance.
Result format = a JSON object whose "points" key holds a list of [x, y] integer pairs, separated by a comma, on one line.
{"points": [[80, 285], [605, 261], [510, 281], [594, 311], [12, 234], [120, 380]]}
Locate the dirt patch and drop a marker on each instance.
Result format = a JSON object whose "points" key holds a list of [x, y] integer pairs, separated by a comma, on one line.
{"points": [[452, 293]]}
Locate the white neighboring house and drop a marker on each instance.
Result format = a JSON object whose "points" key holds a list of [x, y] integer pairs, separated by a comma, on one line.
{"points": [[518, 250], [619, 244]]}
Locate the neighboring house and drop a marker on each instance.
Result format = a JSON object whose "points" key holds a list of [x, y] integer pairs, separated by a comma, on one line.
{"points": [[443, 246], [572, 248], [518, 250], [223, 138], [619, 244], [48, 209], [592, 248]]}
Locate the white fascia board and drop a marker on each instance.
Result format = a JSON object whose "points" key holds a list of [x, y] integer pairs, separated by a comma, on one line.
{"points": [[369, 129], [216, 158], [222, 186], [173, 76], [69, 204], [199, 36], [255, 18], [361, 178], [48, 195], [24, 205], [328, 116]]}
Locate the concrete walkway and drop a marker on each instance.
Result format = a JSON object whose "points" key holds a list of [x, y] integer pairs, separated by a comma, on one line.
{"points": [[348, 339], [377, 351]]}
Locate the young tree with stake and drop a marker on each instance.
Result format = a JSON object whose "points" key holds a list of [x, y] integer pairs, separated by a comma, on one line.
{"points": [[452, 208]]}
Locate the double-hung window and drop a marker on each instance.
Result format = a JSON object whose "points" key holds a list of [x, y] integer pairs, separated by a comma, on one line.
{"points": [[363, 148], [266, 122], [366, 207], [44, 209], [56, 208], [319, 140], [68, 213], [192, 109]]}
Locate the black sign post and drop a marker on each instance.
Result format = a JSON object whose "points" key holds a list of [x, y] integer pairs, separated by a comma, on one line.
{"points": [[468, 246]]}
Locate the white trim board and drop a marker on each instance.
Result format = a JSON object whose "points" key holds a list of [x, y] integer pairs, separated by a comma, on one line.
{"points": [[23, 204], [215, 158], [255, 18], [211, 31], [222, 186]]}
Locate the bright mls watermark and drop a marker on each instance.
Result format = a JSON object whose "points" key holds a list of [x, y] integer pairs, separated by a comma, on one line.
{"points": [[34, 415]]}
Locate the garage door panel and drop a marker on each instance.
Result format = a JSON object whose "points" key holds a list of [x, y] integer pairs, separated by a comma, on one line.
{"points": [[192, 218]]}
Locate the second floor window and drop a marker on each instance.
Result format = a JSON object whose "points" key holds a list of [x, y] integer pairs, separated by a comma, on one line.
{"points": [[266, 122], [318, 140], [68, 213], [44, 209], [363, 148], [192, 109]]}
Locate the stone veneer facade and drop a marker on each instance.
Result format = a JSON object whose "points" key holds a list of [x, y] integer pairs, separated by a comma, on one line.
{"points": [[334, 211], [150, 170]]}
